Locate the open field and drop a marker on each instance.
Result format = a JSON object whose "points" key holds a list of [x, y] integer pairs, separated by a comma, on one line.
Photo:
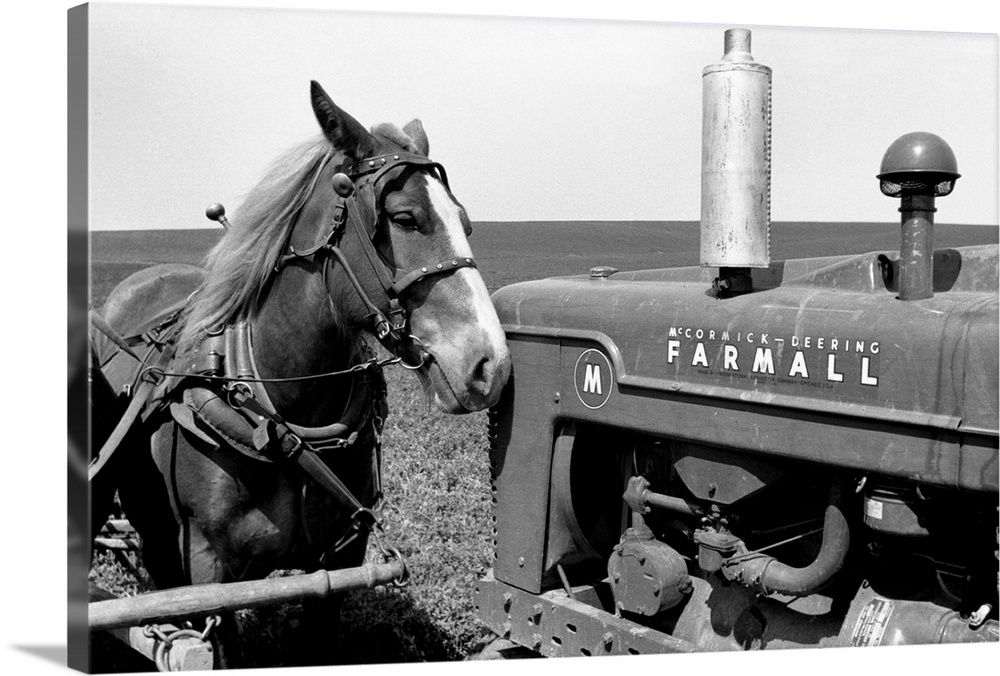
{"points": [[514, 252], [436, 466]]}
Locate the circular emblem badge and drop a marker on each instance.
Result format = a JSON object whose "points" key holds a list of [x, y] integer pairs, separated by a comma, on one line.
{"points": [[594, 378]]}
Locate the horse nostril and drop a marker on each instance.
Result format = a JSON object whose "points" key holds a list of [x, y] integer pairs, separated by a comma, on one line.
{"points": [[481, 373], [489, 372]]}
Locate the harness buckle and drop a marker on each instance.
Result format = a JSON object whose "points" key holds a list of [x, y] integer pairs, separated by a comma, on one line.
{"points": [[365, 518], [339, 216], [291, 445], [368, 517], [397, 315]]}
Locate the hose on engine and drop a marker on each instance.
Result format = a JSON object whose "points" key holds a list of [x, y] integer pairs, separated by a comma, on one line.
{"points": [[770, 576]]}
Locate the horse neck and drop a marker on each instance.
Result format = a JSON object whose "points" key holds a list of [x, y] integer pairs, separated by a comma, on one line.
{"points": [[296, 333]]}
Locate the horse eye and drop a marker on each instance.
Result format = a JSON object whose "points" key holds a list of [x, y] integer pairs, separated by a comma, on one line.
{"points": [[405, 221]]}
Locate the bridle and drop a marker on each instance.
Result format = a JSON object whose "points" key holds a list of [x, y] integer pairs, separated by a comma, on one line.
{"points": [[359, 182]]}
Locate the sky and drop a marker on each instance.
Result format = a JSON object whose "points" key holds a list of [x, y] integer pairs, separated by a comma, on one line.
{"points": [[534, 118]]}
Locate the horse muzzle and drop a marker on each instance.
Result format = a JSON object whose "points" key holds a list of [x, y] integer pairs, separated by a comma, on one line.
{"points": [[474, 387]]}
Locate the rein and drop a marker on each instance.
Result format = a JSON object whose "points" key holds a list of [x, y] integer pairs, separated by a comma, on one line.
{"points": [[157, 372]]}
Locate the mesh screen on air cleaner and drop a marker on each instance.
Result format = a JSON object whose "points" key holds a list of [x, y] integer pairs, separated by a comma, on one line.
{"points": [[895, 188]]}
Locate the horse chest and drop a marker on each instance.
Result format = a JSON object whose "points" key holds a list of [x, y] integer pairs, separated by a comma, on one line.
{"points": [[250, 514]]}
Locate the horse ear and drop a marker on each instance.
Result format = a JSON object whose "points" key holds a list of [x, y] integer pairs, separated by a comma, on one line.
{"points": [[415, 130], [343, 131]]}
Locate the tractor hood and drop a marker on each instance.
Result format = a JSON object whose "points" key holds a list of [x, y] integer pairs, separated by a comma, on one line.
{"points": [[825, 337]]}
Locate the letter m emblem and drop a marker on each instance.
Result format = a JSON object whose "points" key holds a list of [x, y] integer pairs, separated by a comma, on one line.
{"points": [[592, 379]]}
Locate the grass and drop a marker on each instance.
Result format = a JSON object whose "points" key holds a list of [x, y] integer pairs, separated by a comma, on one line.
{"points": [[437, 483]]}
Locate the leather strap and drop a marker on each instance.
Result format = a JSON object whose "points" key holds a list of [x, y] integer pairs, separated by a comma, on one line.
{"points": [[275, 436], [380, 164], [139, 400], [414, 276], [102, 325], [365, 237]]}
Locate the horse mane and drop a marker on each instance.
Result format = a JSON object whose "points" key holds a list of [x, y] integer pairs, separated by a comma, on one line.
{"points": [[239, 266]]}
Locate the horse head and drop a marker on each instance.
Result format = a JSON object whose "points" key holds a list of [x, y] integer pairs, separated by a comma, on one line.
{"points": [[397, 222]]}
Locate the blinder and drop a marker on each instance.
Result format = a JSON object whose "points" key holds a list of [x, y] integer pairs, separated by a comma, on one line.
{"points": [[366, 178]]}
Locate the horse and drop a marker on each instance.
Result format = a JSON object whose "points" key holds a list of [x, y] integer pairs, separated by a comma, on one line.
{"points": [[267, 348]]}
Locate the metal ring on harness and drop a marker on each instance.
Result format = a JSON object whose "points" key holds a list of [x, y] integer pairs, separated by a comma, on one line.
{"points": [[237, 387], [371, 514], [425, 356]]}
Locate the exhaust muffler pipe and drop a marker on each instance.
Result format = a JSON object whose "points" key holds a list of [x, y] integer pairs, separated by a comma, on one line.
{"points": [[736, 165]]}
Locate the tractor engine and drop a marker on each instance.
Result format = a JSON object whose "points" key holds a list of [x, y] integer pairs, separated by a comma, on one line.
{"points": [[753, 453]]}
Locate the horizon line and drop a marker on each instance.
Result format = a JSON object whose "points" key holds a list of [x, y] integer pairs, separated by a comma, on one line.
{"points": [[568, 221]]}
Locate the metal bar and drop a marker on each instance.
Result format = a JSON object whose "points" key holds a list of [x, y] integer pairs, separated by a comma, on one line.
{"points": [[555, 625], [117, 526], [672, 503], [127, 544], [916, 254], [213, 599], [185, 652]]}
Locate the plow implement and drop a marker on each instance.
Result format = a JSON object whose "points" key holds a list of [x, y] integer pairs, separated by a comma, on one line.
{"points": [[151, 623]]}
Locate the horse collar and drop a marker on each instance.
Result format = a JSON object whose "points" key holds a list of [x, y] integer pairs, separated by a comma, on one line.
{"points": [[230, 354], [359, 404]]}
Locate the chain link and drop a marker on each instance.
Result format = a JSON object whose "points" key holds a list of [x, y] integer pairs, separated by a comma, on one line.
{"points": [[165, 641], [389, 552], [210, 624]]}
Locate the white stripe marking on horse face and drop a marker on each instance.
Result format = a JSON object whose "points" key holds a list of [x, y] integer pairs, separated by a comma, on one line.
{"points": [[451, 216], [449, 213], [473, 357]]}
